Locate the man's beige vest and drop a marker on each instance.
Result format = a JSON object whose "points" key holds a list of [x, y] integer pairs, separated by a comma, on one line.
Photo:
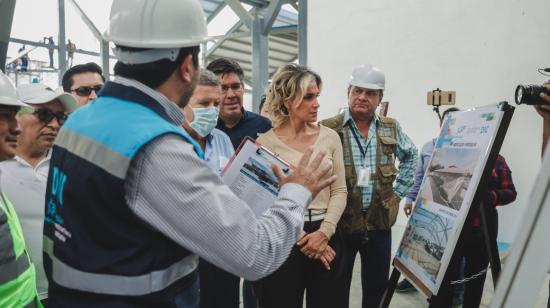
{"points": [[382, 212]]}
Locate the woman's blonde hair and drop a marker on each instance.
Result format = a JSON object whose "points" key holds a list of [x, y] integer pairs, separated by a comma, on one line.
{"points": [[289, 83]]}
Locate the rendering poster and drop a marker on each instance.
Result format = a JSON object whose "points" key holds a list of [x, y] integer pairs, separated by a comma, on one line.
{"points": [[445, 195]]}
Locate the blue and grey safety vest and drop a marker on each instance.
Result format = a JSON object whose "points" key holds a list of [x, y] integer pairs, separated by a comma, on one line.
{"points": [[93, 241]]}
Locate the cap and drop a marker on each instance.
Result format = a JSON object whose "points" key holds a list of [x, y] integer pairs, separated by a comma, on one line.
{"points": [[37, 93]]}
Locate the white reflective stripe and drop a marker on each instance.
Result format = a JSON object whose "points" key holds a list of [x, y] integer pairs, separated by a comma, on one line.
{"points": [[72, 278], [145, 56], [94, 152]]}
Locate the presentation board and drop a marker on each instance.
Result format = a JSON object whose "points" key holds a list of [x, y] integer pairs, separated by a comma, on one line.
{"points": [[446, 194]]}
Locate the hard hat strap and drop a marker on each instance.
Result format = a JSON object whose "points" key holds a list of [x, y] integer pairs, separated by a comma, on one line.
{"points": [[145, 56]]}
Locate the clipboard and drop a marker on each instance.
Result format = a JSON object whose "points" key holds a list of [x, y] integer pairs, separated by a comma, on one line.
{"points": [[260, 149], [248, 174]]}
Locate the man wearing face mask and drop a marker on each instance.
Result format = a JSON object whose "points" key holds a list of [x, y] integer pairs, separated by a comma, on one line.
{"points": [[201, 117]]}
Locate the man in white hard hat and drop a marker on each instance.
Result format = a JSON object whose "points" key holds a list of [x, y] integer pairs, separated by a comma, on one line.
{"points": [[131, 203], [371, 143], [17, 273], [24, 176]]}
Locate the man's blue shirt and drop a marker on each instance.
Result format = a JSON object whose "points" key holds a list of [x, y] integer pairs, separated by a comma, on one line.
{"points": [[251, 124], [218, 150]]}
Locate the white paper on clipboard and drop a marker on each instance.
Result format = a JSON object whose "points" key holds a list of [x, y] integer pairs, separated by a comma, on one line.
{"points": [[249, 175]]}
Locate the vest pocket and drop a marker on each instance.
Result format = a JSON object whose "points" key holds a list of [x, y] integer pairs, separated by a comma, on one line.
{"points": [[388, 172], [388, 145], [391, 205]]}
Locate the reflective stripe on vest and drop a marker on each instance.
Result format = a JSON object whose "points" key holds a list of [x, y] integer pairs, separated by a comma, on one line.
{"points": [[72, 278], [13, 269]]}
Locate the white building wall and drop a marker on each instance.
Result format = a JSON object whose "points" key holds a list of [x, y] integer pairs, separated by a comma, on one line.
{"points": [[481, 49]]}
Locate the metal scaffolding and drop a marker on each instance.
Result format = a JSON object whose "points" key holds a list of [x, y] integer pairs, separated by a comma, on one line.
{"points": [[265, 37]]}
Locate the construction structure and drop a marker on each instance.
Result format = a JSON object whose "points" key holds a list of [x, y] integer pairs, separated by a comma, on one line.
{"points": [[265, 36]]}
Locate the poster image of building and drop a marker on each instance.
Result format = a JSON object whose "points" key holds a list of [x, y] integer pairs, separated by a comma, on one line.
{"points": [[424, 241], [263, 175], [448, 176]]}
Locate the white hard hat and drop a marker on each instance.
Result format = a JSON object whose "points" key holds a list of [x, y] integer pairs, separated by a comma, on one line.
{"points": [[163, 25], [8, 95], [368, 76]]}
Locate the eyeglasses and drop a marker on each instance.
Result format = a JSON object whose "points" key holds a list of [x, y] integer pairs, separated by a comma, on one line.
{"points": [[86, 91], [233, 86], [46, 116]]}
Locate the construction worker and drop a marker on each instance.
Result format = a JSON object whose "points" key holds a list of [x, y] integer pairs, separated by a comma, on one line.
{"points": [[17, 273], [371, 145], [131, 204]]}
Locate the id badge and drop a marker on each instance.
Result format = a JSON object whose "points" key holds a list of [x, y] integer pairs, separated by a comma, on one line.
{"points": [[363, 177]]}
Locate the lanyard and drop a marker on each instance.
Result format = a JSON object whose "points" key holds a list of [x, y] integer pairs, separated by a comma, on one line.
{"points": [[363, 152]]}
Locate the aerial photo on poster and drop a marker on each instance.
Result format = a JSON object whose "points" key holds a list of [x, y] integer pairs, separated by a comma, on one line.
{"points": [[449, 174], [424, 241]]}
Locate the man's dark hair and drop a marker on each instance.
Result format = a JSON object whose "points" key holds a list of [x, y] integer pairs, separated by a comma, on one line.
{"points": [[224, 66], [91, 67], [155, 73]]}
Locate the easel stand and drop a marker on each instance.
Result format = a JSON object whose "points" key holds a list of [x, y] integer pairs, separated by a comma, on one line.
{"points": [[492, 249]]}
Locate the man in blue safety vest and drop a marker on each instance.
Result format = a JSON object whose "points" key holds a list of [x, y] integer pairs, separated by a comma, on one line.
{"points": [[130, 203]]}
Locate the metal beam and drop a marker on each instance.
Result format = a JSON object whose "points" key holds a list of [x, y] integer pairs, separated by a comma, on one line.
{"points": [[260, 58], [241, 12], [220, 41], [270, 14], [215, 12], [62, 54], [104, 56], [41, 44], [89, 23], [7, 8], [256, 3], [103, 44], [294, 5], [302, 32]]}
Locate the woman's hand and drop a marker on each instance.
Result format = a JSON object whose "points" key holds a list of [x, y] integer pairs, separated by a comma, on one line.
{"points": [[328, 255], [313, 244]]}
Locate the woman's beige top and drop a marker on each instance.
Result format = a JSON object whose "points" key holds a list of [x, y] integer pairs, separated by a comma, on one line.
{"points": [[333, 198]]}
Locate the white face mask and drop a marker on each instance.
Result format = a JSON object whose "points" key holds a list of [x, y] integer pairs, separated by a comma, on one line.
{"points": [[205, 120]]}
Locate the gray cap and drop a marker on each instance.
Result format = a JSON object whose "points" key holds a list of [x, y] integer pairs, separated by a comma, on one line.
{"points": [[37, 93]]}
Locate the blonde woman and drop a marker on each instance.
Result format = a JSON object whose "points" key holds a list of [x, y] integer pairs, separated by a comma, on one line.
{"points": [[293, 106]]}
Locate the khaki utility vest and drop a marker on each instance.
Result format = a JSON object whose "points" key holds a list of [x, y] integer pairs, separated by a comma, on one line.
{"points": [[384, 206]]}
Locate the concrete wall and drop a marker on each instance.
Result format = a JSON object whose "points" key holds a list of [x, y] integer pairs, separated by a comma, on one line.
{"points": [[481, 49]]}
